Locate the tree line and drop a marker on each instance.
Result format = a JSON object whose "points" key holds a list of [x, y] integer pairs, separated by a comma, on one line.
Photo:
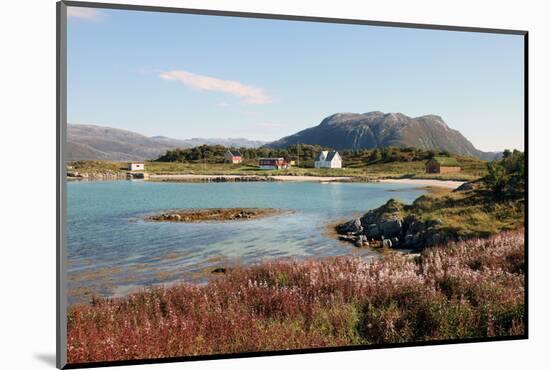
{"points": [[303, 153]]}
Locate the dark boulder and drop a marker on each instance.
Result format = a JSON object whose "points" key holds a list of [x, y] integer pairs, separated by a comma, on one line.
{"points": [[373, 231], [391, 227], [464, 187], [353, 226]]}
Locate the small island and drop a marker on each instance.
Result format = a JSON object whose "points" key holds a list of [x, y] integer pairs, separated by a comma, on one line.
{"points": [[214, 214]]}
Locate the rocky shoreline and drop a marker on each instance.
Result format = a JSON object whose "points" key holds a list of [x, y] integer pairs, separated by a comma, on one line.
{"points": [[209, 178], [387, 227], [214, 214], [106, 176], [214, 178]]}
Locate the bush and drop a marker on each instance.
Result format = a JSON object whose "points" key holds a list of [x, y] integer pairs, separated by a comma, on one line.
{"points": [[507, 176], [470, 289], [496, 178]]}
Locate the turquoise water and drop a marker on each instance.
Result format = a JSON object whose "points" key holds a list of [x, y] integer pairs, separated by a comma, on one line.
{"points": [[113, 251]]}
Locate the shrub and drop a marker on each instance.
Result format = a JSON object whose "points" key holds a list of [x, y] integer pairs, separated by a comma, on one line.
{"points": [[507, 176], [469, 289]]}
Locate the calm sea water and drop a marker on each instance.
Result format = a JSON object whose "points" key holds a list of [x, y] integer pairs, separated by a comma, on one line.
{"points": [[113, 251]]}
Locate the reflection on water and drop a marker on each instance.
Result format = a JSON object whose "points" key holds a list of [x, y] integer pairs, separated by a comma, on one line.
{"points": [[112, 250]]}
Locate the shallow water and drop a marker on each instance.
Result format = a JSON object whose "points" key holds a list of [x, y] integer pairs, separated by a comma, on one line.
{"points": [[112, 250]]}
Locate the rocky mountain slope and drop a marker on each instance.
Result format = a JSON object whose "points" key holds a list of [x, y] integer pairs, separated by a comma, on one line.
{"points": [[377, 129]]}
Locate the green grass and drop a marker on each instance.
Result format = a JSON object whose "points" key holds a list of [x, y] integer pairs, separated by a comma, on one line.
{"points": [[472, 169], [463, 214]]}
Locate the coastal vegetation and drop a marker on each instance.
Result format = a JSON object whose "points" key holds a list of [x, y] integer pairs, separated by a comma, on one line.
{"points": [[480, 208], [469, 289], [368, 164], [305, 154]]}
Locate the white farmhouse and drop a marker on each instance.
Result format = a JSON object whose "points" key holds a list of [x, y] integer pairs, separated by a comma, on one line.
{"points": [[327, 159]]}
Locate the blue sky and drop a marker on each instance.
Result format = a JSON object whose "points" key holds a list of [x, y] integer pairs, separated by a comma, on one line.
{"points": [[184, 76]]}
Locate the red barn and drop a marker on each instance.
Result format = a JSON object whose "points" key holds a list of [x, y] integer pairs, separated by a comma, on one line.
{"points": [[273, 164]]}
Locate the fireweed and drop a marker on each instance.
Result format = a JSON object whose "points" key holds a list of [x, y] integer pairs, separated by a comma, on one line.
{"points": [[470, 289]]}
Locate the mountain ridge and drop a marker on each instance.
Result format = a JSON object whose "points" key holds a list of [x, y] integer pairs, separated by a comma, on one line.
{"points": [[93, 142], [377, 129], [343, 130]]}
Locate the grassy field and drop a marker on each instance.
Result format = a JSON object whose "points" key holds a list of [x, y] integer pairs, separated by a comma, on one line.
{"points": [[471, 169], [472, 289], [453, 215], [468, 214]]}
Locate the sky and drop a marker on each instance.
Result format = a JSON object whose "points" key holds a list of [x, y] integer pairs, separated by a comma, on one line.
{"points": [[185, 76]]}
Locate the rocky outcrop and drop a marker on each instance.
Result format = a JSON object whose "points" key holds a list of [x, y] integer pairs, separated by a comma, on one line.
{"points": [[96, 176], [208, 178], [389, 226], [214, 214]]}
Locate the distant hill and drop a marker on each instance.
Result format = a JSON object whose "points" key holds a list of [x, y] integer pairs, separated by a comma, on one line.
{"points": [[229, 143], [377, 129], [98, 142]]}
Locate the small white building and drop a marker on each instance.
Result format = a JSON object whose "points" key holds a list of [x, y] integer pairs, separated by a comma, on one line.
{"points": [[327, 159], [136, 166]]}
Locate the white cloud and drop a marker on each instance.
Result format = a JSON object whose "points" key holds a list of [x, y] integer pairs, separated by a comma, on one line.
{"points": [[249, 94], [89, 14]]}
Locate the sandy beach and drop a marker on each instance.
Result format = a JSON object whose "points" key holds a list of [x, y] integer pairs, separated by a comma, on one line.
{"points": [[425, 182], [450, 184]]}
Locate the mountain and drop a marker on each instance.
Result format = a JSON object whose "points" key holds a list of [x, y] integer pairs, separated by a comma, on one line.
{"points": [[229, 142], [99, 142], [377, 129]]}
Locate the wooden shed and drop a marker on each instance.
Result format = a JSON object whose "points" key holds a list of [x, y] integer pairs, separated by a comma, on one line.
{"points": [[442, 165]]}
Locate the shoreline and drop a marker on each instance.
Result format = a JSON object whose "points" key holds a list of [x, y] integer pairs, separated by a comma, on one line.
{"points": [[450, 184], [194, 178], [246, 178]]}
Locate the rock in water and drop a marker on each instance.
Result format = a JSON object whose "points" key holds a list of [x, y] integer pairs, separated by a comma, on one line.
{"points": [[348, 238], [353, 226], [361, 241]]}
